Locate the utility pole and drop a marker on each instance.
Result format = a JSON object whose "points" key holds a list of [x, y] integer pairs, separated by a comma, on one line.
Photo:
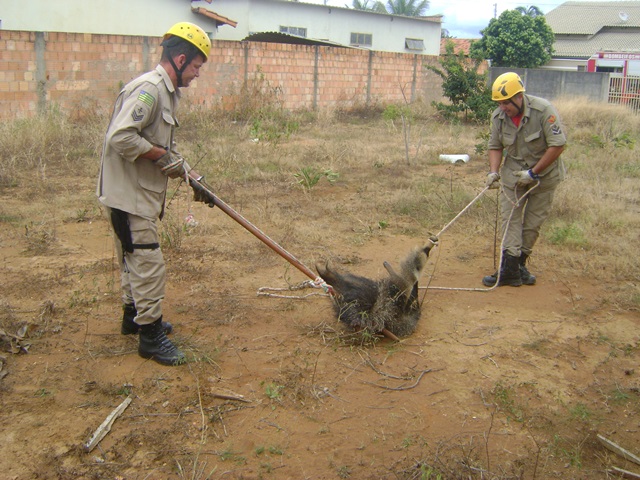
{"points": [[495, 10]]}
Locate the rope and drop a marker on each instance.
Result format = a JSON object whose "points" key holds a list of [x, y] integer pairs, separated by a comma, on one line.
{"points": [[317, 283], [320, 283], [515, 204], [446, 227]]}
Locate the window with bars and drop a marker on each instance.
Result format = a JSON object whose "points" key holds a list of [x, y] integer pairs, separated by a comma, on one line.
{"points": [[361, 39], [297, 31]]}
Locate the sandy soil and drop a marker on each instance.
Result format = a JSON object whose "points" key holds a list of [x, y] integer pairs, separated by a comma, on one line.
{"points": [[510, 383]]}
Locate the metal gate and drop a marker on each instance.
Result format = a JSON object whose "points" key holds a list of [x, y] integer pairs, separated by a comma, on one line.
{"points": [[625, 91]]}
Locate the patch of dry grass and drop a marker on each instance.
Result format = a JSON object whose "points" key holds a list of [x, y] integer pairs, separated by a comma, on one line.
{"points": [[593, 229], [596, 211]]}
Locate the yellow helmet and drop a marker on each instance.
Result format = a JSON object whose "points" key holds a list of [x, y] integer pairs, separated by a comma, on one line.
{"points": [[506, 86], [192, 34]]}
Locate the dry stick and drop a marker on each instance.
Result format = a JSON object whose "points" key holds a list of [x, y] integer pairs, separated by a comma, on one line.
{"points": [[224, 396], [105, 427], [486, 440], [203, 437], [368, 362], [614, 447], [625, 473], [198, 183], [538, 450], [410, 386], [315, 367]]}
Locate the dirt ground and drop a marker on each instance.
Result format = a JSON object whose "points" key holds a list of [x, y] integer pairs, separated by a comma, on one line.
{"points": [[509, 383]]}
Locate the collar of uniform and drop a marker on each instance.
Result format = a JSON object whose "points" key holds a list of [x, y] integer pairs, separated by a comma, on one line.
{"points": [[526, 103], [167, 80]]}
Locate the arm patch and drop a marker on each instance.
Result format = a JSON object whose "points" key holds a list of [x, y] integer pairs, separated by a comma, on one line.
{"points": [[147, 98]]}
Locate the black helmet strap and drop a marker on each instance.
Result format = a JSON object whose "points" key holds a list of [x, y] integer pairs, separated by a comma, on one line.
{"points": [[172, 42]]}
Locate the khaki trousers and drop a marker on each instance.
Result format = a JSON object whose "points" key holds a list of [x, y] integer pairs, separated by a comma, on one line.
{"points": [[142, 272], [523, 211]]}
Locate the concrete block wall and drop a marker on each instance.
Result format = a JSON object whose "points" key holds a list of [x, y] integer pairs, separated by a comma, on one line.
{"points": [[78, 72], [553, 84]]}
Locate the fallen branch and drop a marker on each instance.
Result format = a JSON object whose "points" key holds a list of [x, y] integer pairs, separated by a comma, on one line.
{"points": [[370, 363], [614, 447], [236, 396], [103, 429], [625, 473], [410, 386]]}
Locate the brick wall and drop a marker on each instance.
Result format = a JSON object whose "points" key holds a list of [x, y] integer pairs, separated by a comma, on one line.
{"points": [[76, 72]]}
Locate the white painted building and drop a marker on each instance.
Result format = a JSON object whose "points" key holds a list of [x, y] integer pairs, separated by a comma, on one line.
{"points": [[229, 20]]}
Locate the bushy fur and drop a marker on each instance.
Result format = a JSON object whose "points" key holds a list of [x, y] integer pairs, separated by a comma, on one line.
{"points": [[390, 303]]}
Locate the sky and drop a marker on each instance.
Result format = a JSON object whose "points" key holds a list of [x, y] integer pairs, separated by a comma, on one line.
{"points": [[465, 18]]}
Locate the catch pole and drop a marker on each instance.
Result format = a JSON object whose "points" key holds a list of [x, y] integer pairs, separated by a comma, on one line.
{"points": [[198, 184]]}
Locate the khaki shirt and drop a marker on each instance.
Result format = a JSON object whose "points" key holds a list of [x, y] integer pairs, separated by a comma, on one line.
{"points": [[540, 128], [143, 116]]}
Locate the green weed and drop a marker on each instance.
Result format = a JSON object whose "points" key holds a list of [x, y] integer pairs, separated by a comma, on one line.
{"points": [[308, 177], [570, 235], [580, 412], [273, 391], [504, 398]]}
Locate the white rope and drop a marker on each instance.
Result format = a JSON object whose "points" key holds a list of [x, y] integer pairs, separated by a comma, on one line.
{"points": [[320, 283], [317, 283], [446, 227], [504, 235]]}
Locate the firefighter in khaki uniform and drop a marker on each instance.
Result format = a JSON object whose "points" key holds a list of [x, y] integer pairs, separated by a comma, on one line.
{"points": [[138, 157], [528, 131]]}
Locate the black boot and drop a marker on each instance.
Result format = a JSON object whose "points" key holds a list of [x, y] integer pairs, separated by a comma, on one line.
{"points": [[129, 327], [527, 278], [154, 344], [509, 273]]}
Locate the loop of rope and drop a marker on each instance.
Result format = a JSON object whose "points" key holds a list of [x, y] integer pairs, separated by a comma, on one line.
{"points": [[515, 205]]}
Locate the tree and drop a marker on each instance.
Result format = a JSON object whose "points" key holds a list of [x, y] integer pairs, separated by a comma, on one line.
{"points": [[531, 11], [463, 86], [515, 40], [408, 8], [369, 5]]}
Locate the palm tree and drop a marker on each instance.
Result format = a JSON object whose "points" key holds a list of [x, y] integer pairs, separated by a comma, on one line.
{"points": [[531, 11], [374, 6], [408, 8]]}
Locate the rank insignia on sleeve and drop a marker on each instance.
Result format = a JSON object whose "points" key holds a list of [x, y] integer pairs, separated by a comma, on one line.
{"points": [[138, 114], [555, 129], [146, 98]]}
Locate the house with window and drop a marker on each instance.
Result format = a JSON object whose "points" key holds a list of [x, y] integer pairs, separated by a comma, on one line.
{"points": [[586, 29], [602, 37], [280, 21]]}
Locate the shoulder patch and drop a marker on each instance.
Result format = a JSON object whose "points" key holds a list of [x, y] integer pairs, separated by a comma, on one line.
{"points": [[147, 98], [138, 114], [552, 119]]}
